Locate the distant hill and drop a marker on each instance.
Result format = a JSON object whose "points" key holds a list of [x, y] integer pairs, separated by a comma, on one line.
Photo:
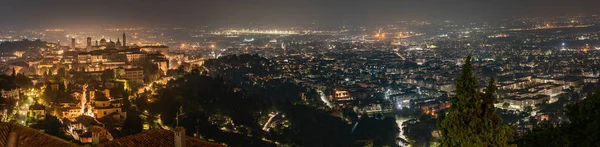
{"points": [[23, 45]]}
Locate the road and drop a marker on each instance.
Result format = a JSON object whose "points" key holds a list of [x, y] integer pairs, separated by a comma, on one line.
{"points": [[400, 121], [324, 98], [266, 126]]}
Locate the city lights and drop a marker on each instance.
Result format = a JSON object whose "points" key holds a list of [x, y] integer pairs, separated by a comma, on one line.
{"points": [[300, 73]]}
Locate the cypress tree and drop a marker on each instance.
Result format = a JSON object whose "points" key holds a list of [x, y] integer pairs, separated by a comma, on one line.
{"points": [[472, 119]]}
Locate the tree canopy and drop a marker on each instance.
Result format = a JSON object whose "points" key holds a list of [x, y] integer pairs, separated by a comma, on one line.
{"points": [[582, 129], [471, 119], [237, 110], [21, 45]]}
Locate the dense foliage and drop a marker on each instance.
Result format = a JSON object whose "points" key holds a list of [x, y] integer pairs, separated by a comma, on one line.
{"points": [[583, 128], [382, 131], [57, 93], [22, 45], [8, 82], [472, 119], [420, 130], [213, 109], [236, 68], [233, 99]]}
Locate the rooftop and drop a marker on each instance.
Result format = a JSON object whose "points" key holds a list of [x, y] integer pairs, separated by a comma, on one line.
{"points": [[34, 138], [37, 107], [155, 138], [30, 137]]}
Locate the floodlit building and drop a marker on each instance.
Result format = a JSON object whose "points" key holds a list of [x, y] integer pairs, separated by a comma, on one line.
{"points": [[37, 112]]}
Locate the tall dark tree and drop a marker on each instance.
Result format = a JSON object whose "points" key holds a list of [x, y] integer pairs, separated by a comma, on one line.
{"points": [[61, 72], [61, 87], [383, 132], [471, 119], [496, 134], [126, 101], [108, 75], [23, 81], [49, 95], [53, 127], [419, 130], [133, 124]]}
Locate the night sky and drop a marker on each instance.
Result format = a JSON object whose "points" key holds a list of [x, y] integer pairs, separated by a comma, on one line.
{"points": [[70, 13]]}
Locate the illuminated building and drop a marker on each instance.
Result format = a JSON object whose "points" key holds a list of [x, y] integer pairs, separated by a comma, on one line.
{"points": [[135, 56], [71, 111], [133, 75], [37, 111], [163, 65], [104, 107], [10, 94], [160, 60], [156, 49], [342, 95], [522, 102], [84, 58], [19, 54]]}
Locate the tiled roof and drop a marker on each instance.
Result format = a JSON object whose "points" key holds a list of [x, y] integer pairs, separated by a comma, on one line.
{"points": [[155, 138], [30, 137]]}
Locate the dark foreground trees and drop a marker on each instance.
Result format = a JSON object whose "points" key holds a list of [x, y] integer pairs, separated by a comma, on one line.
{"points": [[241, 103], [583, 128], [212, 109], [472, 119]]}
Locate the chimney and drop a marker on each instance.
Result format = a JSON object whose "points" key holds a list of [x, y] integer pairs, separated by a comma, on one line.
{"points": [[179, 136], [13, 139]]}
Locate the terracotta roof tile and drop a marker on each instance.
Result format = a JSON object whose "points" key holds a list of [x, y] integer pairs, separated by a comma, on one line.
{"points": [[156, 138], [30, 137]]}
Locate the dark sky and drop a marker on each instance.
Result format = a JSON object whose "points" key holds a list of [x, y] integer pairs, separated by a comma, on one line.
{"points": [[71, 13]]}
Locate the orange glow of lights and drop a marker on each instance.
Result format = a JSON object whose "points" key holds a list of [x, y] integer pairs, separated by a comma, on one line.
{"points": [[586, 48]]}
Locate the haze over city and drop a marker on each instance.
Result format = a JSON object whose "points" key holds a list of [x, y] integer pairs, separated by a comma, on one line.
{"points": [[221, 13]]}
